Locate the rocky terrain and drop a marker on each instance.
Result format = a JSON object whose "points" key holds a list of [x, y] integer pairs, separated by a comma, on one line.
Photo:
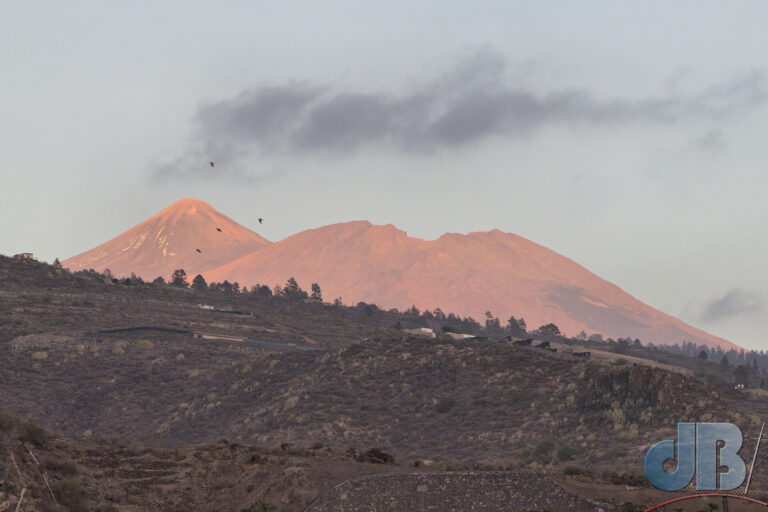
{"points": [[123, 369]]}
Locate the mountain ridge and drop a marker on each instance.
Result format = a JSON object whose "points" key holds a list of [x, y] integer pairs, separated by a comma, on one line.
{"points": [[467, 274]]}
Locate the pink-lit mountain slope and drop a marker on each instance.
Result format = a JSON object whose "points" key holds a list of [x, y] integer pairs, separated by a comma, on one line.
{"points": [[170, 240], [466, 274]]}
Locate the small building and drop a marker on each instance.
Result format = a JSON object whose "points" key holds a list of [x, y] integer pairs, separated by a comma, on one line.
{"points": [[24, 256], [421, 331], [458, 336]]}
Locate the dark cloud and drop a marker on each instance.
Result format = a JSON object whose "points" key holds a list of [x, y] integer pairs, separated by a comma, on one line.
{"points": [[733, 303], [472, 102]]}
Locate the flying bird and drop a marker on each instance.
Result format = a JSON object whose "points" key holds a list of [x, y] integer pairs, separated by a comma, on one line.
{"points": [[261, 221], [218, 229], [211, 164], [198, 250]]}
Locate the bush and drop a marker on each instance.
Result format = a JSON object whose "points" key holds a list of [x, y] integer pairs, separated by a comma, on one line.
{"points": [[7, 423], [444, 405], [565, 453], [60, 467], [144, 345], [260, 506], [544, 447], [33, 434], [372, 456], [574, 469], [70, 493]]}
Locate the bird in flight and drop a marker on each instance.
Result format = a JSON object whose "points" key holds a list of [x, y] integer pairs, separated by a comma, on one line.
{"points": [[198, 250], [211, 164], [218, 229], [261, 221]]}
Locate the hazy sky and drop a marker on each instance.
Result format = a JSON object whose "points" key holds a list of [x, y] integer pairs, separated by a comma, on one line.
{"points": [[628, 136]]}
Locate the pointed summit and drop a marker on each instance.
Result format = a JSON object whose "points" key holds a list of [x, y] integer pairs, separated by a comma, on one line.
{"points": [[170, 240]]}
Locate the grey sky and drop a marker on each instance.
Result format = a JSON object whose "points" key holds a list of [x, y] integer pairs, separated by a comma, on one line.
{"points": [[628, 136]]}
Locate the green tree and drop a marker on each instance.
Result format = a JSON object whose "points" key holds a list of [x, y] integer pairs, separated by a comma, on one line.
{"points": [[549, 331], [703, 355], [317, 293], [179, 278], [492, 323], [516, 327], [742, 374], [199, 284], [293, 291]]}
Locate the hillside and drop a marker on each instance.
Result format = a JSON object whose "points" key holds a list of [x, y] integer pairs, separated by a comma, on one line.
{"points": [[93, 360], [464, 274], [189, 234], [112, 475]]}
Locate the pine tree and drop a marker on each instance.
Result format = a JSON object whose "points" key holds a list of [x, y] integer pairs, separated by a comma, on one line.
{"points": [[179, 278], [516, 327], [292, 290], [199, 284]]}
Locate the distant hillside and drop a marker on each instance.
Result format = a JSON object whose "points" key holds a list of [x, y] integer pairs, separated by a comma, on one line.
{"points": [[189, 234], [465, 274]]}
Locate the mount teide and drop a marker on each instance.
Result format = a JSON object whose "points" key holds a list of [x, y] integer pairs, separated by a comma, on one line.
{"points": [[465, 274], [170, 240]]}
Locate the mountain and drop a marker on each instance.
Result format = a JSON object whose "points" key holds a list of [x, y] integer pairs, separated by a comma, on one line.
{"points": [[466, 274], [358, 261], [170, 240]]}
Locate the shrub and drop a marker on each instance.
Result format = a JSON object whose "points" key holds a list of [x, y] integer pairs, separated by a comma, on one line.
{"points": [[574, 469], [40, 356], [33, 434], [70, 493], [544, 447], [565, 453], [372, 456], [260, 506], [144, 345], [444, 405], [60, 467], [7, 423]]}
